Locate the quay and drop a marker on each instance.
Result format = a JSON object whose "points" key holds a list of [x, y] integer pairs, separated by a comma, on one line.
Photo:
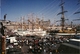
{"points": [[67, 34], [41, 32]]}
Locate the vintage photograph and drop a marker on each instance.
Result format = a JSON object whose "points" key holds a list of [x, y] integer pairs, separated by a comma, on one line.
{"points": [[39, 26]]}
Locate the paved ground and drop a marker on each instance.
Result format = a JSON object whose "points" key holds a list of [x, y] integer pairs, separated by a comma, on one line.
{"points": [[25, 49]]}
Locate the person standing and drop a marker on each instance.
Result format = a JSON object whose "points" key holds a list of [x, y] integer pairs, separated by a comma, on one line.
{"points": [[2, 38], [2, 35]]}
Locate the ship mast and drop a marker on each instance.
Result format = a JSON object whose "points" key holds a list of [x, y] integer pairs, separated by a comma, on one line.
{"points": [[32, 22], [78, 12], [79, 8], [62, 16]]}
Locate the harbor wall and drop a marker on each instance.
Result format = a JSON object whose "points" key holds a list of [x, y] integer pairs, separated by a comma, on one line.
{"points": [[67, 48]]}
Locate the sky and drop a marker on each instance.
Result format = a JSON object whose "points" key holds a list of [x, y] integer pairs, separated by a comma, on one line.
{"points": [[46, 9]]}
